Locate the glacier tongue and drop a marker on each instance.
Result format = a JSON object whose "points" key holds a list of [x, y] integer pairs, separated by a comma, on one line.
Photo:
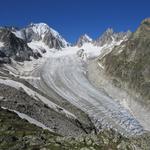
{"points": [[65, 73]]}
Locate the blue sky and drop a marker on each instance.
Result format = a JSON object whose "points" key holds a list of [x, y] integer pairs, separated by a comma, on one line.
{"points": [[75, 17]]}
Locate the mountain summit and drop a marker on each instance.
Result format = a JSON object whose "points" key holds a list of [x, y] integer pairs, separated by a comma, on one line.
{"points": [[110, 36], [42, 32], [83, 39]]}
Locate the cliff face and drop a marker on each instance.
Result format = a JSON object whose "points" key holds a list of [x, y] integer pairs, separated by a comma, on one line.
{"points": [[14, 47], [129, 62]]}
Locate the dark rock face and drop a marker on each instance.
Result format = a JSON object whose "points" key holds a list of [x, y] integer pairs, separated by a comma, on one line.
{"points": [[110, 36], [4, 58], [2, 54], [130, 62], [14, 47]]}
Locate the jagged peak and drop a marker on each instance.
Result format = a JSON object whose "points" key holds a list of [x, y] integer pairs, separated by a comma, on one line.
{"points": [[109, 30], [110, 36], [87, 37], [83, 39], [43, 28]]}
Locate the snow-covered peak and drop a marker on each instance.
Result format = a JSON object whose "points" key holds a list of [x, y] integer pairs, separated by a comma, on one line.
{"points": [[43, 28], [40, 32], [43, 33], [40, 28], [87, 37], [83, 39]]}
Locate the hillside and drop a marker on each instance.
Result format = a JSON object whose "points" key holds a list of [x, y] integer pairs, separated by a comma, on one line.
{"points": [[129, 63]]}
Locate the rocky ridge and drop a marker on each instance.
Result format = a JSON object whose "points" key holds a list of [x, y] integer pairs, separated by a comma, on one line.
{"points": [[129, 63], [110, 36]]}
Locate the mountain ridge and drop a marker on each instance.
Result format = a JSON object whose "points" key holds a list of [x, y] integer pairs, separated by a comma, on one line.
{"points": [[128, 64], [55, 93]]}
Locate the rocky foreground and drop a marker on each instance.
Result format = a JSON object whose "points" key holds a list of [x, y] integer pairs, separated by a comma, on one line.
{"points": [[19, 134]]}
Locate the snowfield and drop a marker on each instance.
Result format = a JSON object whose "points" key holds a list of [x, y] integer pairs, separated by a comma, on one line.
{"points": [[29, 119]]}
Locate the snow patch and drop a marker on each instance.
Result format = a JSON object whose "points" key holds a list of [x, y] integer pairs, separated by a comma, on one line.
{"points": [[18, 34], [100, 65], [29, 119], [1, 44]]}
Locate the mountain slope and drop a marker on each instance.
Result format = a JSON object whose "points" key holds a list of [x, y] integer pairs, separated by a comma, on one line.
{"points": [[129, 63]]}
